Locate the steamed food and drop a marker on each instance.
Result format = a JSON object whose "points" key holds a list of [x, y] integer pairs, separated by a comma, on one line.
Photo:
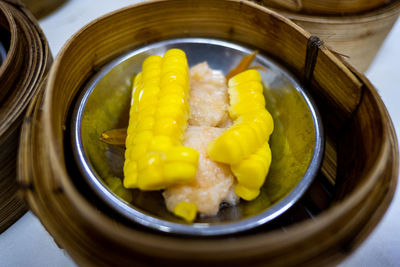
{"points": [[209, 100], [214, 181], [200, 139]]}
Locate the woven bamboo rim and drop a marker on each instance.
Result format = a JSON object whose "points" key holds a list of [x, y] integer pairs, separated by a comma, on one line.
{"points": [[332, 7], [358, 37], [28, 58], [42, 8], [364, 183]]}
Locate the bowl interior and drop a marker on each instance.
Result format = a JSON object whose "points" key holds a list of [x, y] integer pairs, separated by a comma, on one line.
{"points": [[296, 142]]}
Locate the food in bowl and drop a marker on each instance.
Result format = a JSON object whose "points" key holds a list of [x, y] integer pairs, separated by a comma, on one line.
{"points": [[220, 155], [296, 142]]}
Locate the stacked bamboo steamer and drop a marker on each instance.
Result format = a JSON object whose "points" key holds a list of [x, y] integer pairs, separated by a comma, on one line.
{"points": [[355, 29], [359, 169], [41, 8], [27, 59], [328, 7]]}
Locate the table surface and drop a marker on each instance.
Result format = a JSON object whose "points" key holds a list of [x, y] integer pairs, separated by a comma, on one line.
{"points": [[27, 243]]}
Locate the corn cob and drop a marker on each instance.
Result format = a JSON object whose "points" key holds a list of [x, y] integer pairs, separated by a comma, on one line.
{"points": [[245, 144], [154, 156]]}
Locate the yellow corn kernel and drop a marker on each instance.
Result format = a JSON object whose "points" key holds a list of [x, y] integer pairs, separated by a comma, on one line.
{"points": [[161, 143], [173, 77], [180, 164], [236, 143], [149, 61], [143, 124], [252, 171], [149, 159], [151, 76], [254, 97], [261, 118], [245, 102], [172, 99], [173, 89], [224, 150], [136, 91], [151, 92], [155, 157], [175, 52], [182, 154], [186, 211], [179, 172], [145, 111], [251, 86], [246, 107], [245, 77], [246, 193], [143, 137], [130, 171], [174, 66], [137, 151], [129, 140], [173, 111], [152, 102], [169, 127], [150, 174], [150, 179], [258, 131]]}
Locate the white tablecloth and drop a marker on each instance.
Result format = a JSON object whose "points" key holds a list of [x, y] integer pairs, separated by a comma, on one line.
{"points": [[27, 243]]}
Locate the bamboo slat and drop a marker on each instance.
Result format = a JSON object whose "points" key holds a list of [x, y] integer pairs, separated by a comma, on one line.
{"points": [[27, 59], [328, 224]]}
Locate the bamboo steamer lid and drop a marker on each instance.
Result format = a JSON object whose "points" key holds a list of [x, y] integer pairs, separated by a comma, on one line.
{"points": [[27, 59], [332, 7], [353, 189], [358, 37]]}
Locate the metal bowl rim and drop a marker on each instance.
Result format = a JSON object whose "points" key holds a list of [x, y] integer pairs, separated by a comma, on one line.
{"points": [[195, 229]]}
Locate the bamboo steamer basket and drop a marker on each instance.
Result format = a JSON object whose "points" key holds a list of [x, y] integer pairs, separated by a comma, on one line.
{"points": [[332, 7], [358, 37], [27, 59], [42, 8], [352, 191]]}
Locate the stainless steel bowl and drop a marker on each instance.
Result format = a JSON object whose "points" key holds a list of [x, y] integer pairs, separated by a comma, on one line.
{"points": [[296, 144]]}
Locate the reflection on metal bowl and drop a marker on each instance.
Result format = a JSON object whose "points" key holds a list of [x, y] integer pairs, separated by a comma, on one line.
{"points": [[3, 53]]}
